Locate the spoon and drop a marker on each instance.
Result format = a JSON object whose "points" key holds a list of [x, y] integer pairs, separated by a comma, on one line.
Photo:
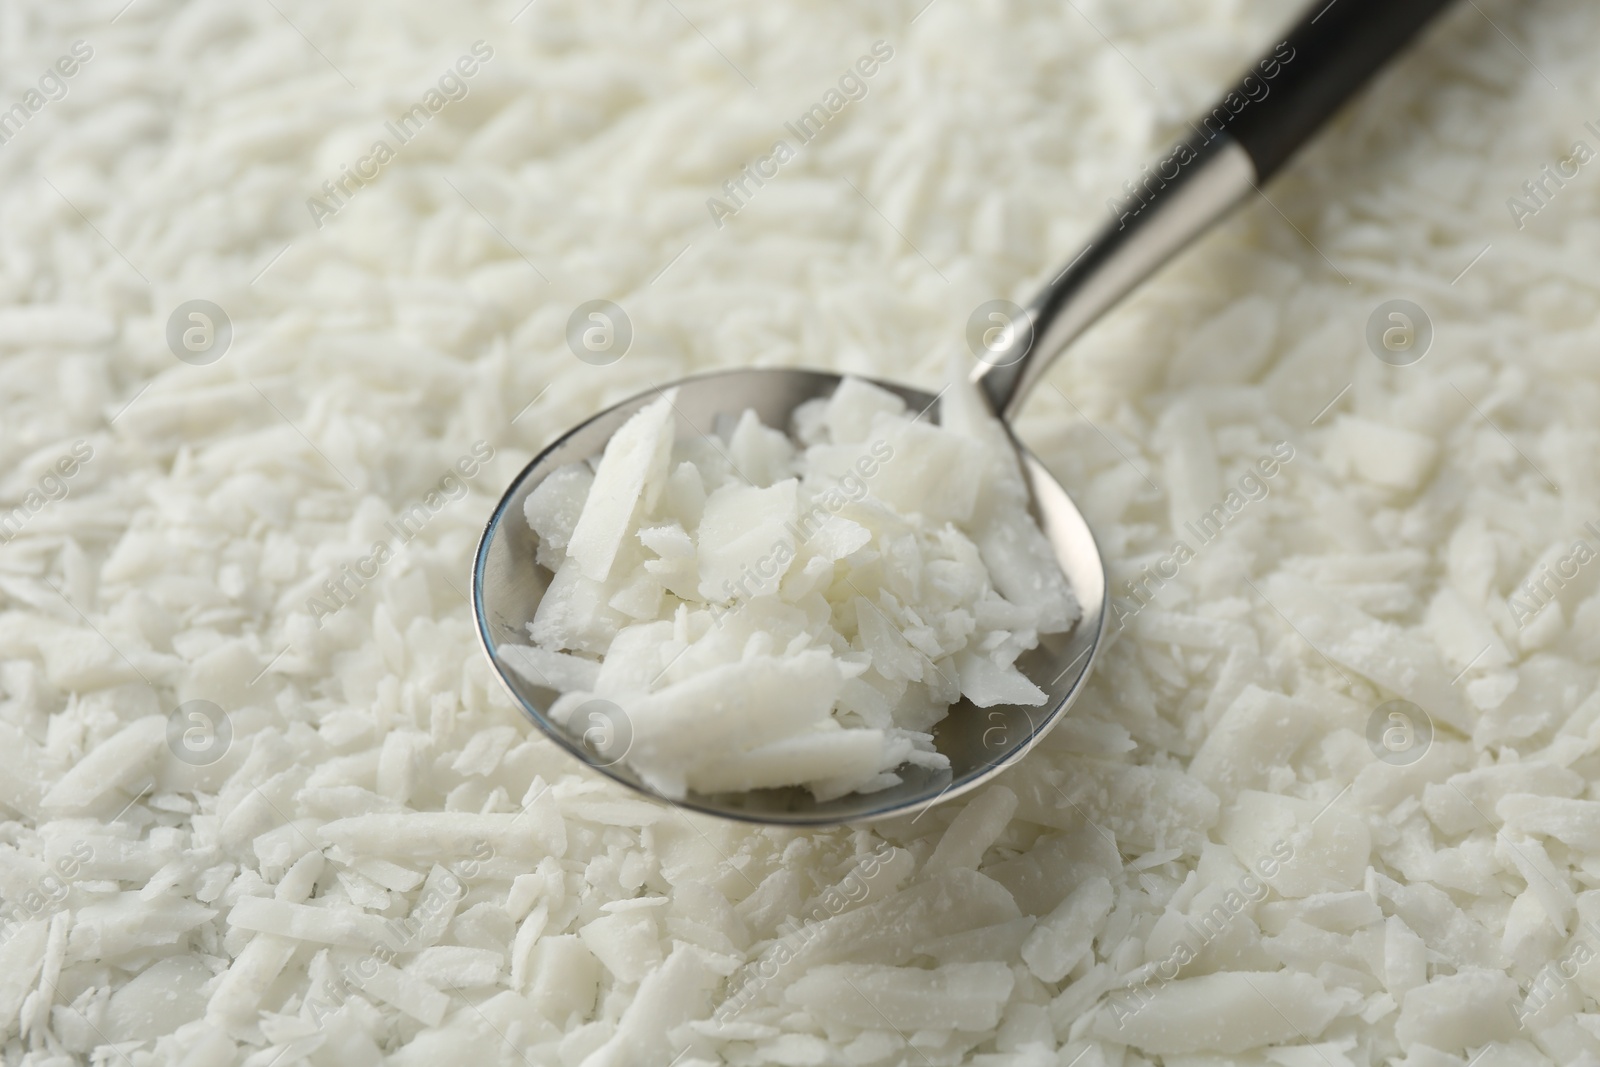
{"points": [[1240, 143]]}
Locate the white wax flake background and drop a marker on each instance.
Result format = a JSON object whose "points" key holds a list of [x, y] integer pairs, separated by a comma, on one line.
{"points": [[265, 803]]}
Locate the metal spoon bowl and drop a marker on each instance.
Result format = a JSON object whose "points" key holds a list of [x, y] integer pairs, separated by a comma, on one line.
{"points": [[979, 742]]}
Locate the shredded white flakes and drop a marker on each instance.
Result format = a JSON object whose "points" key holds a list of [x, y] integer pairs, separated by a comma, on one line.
{"points": [[812, 614], [1327, 800]]}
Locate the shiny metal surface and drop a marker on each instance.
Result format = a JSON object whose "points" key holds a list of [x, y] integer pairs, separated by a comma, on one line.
{"points": [[1123, 254], [980, 742]]}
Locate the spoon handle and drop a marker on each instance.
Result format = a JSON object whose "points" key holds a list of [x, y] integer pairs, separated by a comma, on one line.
{"points": [[1280, 102]]}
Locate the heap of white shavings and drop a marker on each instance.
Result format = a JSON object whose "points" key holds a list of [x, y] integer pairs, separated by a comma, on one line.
{"points": [[772, 611]]}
